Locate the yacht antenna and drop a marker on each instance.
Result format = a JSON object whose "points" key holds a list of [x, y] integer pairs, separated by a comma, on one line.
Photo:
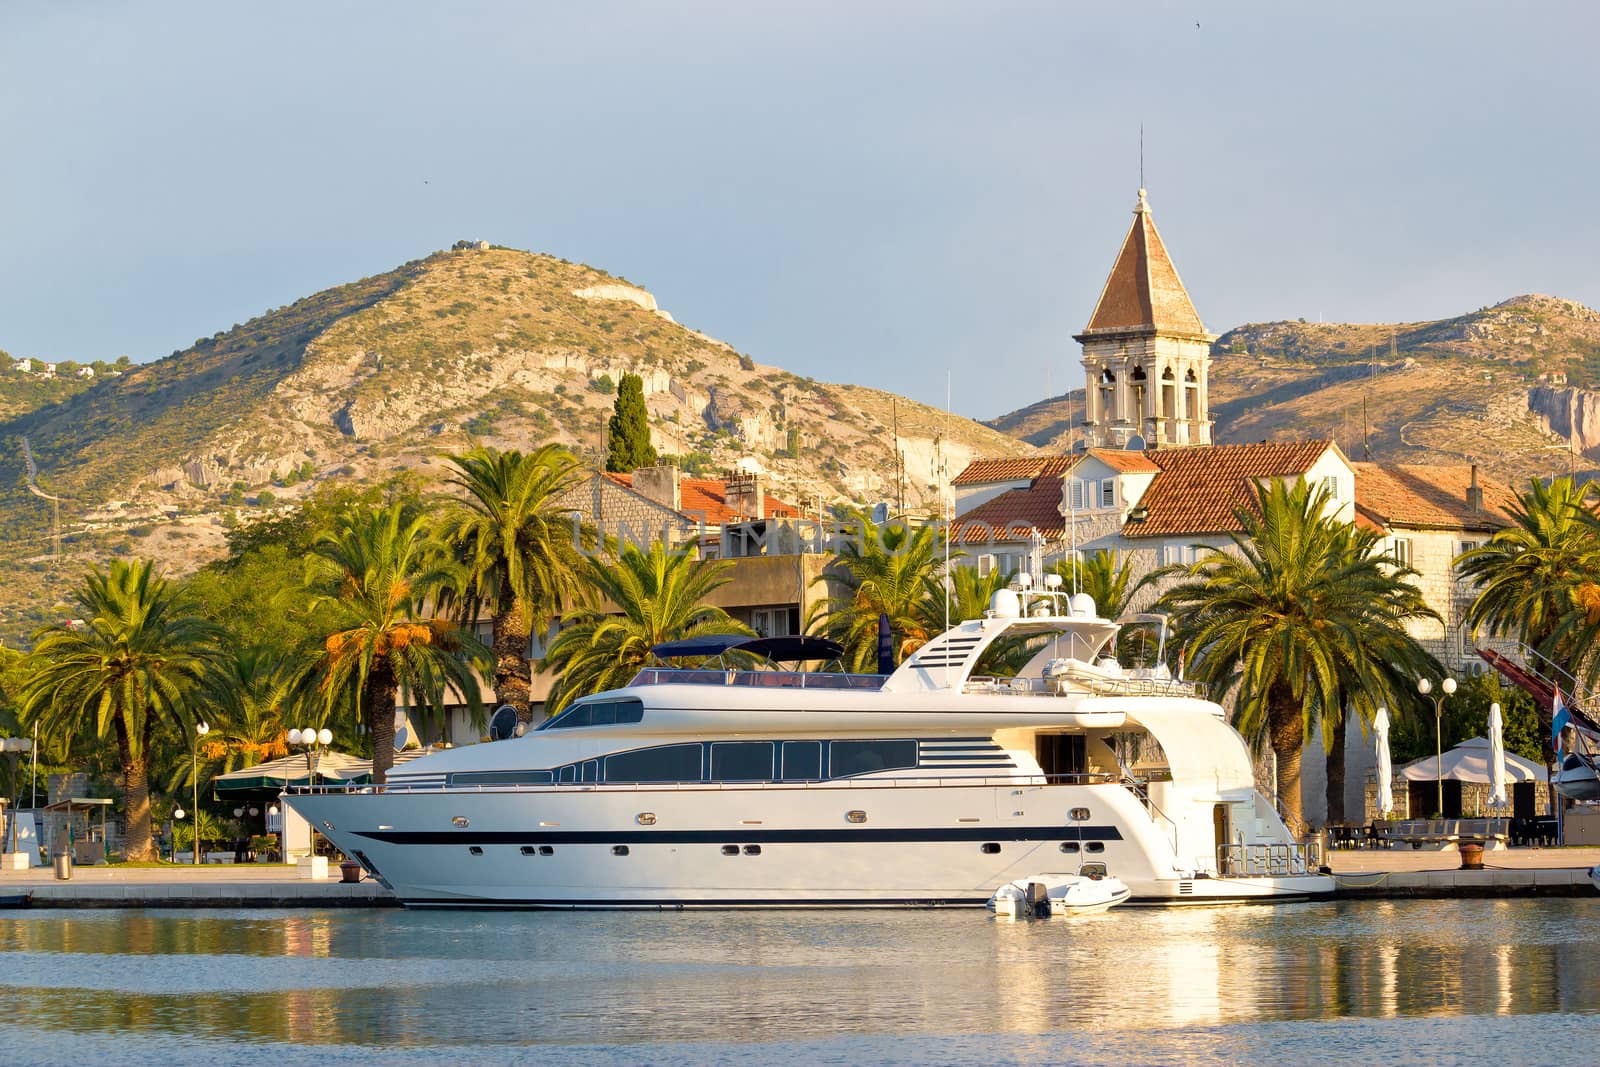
{"points": [[946, 506]]}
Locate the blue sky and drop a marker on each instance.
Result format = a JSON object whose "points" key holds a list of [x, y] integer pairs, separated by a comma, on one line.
{"points": [[866, 192]]}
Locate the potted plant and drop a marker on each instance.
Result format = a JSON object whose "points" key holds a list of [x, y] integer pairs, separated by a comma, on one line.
{"points": [[264, 846]]}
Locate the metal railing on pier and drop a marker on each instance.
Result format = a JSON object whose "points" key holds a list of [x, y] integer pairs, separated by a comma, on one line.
{"points": [[1268, 861]]}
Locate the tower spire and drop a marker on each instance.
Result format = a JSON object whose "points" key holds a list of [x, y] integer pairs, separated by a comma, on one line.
{"points": [[1146, 354]]}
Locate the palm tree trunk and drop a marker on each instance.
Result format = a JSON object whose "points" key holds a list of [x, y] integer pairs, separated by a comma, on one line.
{"points": [[136, 844], [380, 696], [1547, 748], [512, 672], [1285, 720], [1336, 772]]}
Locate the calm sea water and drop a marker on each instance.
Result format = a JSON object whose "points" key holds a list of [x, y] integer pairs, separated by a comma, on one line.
{"points": [[1360, 983]]}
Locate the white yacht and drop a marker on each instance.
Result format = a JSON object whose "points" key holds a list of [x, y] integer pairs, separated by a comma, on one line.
{"points": [[753, 786]]}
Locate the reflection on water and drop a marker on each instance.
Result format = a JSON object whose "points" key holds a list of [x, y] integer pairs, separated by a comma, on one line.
{"points": [[421, 980]]}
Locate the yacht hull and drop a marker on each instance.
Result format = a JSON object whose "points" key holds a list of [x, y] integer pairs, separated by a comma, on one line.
{"points": [[816, 845]]}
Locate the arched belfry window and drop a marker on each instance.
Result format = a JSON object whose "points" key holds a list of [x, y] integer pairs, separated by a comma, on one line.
{"points": [[1138, 374], [1189, 377], [1167, 375], [1108, 377]]}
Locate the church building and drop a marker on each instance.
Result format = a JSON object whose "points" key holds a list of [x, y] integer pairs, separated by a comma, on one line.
{"points": [[1146, 353]]}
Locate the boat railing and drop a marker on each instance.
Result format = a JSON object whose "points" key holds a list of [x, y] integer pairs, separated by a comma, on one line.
{"points": [[1268, 860], [904, 782], [757, 679], [1079, 682]]}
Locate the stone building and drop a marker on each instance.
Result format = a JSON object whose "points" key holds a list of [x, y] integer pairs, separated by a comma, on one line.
{"points": [[1146, 354]]}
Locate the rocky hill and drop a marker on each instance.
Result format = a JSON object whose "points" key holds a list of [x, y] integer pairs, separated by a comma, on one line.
{"points": [[1500, 387], [385, 374]]}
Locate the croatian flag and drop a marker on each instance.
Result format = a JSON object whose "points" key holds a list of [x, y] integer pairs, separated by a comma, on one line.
{"points": [[1559, 717]]}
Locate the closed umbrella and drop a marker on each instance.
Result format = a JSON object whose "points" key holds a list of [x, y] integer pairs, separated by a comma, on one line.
{"points": [[1385, 771], [1497, 760]]}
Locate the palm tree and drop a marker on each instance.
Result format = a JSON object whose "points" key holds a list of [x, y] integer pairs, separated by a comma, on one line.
{"points": [[659, 596], [885, 571], [1108, 577], [1296, 614], [1384, 673], [254, 702], [381, 575], [517, 543], [964, 595], [139, 659], [1529, 576]]}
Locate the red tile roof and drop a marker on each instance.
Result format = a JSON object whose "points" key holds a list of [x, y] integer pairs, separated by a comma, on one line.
{"points": [[1426, 495], [1012, 469], [1143, 291], [1199, 487], [1124, 461], [1014, 515], [707, 499]]}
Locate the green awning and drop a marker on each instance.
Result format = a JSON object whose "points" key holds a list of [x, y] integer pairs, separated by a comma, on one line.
{"points": [[275, 775]]}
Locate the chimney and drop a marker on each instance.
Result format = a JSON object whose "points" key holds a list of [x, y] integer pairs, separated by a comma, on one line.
{"points": [[661, 484], [744, 496], [1474, 494]]}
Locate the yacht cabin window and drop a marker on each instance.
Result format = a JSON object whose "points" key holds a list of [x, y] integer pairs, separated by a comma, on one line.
{"points": [[741, 761], [597, 713], [847, 758], [666, 763], [802, 761]]}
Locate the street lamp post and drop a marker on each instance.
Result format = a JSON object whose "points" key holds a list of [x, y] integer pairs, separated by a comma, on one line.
{"points": [[312, 741], [1446, 687], [201, 729], [177, 817]]}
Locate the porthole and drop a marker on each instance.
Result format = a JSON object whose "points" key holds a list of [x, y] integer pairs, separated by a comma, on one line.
{"points": [[529, 850], [619, 850], [752, 850], [990, 848], [645, 818], [460, 822], [1069, 846], [1079, 814], [546, 850], [475, 850], [1095, 846], [730, 850], [326, 825], [855, 816]]}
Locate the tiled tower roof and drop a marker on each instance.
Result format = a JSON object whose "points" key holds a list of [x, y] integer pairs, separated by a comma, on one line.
{"points": [[1144, 293]]}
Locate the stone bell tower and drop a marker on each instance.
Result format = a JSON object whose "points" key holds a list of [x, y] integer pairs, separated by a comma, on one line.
{"points": [[1146, 354]]}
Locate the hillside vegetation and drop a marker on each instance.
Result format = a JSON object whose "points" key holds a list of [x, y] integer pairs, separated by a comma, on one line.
{"points": [[1449, 391], [376, 378]]}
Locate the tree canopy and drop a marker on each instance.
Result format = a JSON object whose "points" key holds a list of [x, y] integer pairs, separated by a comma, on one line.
{"points": [[629, 429]]}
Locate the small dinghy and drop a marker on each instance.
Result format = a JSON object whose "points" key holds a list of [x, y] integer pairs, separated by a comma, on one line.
{"points": [[1043, 896]]}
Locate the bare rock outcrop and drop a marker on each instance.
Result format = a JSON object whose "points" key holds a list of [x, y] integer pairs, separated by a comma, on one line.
{"points": [[1570, 413]]}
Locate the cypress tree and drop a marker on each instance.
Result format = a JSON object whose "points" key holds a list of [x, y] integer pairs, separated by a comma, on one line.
{"points": [[629, 430]]}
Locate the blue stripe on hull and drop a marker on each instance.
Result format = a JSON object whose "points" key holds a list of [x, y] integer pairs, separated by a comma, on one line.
{"points": [[744, 835]]}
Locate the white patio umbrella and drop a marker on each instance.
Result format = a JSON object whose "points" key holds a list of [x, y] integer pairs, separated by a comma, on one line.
{"points": [[1497, 759], [1385, 772]]}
